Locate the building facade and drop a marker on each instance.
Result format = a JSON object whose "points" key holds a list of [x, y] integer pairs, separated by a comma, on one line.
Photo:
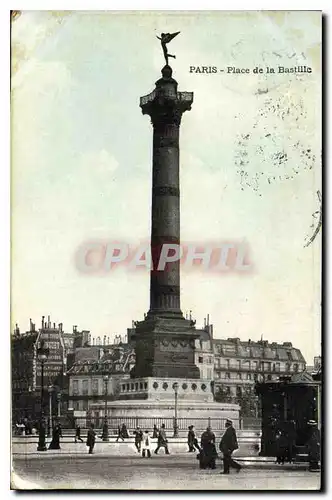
{"points": [[77, 369], [27, 367]]}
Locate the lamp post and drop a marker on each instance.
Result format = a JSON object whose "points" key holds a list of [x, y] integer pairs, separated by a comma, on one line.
{"points": [[58, 399], [42, 355], [105, 429], [50, 390], [176, 430]]}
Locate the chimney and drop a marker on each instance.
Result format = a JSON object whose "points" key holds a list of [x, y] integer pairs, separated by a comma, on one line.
{"points": [[31, 330], [204, 322], [93, 341], [190, 314], [133, 324], [208, 319], [43, 318], [54, 326], [48, 322]]}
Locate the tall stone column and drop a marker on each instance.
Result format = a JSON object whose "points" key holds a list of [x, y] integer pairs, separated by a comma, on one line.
{"points": [[165, 105], [165, 341]]}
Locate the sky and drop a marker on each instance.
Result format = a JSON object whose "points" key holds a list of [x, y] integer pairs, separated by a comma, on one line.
{"points": [[250, 166]]}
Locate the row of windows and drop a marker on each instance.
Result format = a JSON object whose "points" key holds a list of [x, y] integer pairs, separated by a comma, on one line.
{"points": [[85, 387], [255, 365], [246, 376]]}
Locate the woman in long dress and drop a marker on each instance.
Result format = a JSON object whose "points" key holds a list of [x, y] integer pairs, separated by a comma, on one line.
{"points": [[57, 434]]}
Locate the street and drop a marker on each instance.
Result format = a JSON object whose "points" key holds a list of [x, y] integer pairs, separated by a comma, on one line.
{"points": [[157, 473]]}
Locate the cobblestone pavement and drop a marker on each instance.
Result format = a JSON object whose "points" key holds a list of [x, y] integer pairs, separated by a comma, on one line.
{"points": [[157, 473]]}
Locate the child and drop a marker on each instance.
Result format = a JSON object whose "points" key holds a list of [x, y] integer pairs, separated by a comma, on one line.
{"points": [[146, 445]]}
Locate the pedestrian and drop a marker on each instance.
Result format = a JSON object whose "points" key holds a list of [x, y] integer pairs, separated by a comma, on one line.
{"points": [[281, 446], [291, 439], [138, 439], [78, 433], [227, 445], [104, 432], [155, 431], [313, 445], [91, 439], [208, 453], [124, 431], [56, 435], [120, 436], [146, 445], [192, 440], [162, 440]]}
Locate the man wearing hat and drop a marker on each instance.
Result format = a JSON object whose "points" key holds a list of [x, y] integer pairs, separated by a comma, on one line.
{"points": [[227, 445], [192, 440], [138, 438], [313, 444]]}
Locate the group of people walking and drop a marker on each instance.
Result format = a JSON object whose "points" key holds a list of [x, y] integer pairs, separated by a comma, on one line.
{"points": [[208, 452], [143, 441]]}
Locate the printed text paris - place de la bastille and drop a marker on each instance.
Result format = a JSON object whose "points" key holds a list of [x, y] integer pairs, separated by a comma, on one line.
{"points": [[256, 70]]}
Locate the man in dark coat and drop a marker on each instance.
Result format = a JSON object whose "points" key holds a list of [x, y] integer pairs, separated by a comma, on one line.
{"points": [[281, 446], [227, 445], [313, 445], [155, 431], [162, 440], [192, 440], [138, 439], [120, 436], [208, 452], [290, 430], [78, 433], [91, 439]]}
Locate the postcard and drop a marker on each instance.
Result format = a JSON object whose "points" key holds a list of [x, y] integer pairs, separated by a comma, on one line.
{"points": [[166, 221]]}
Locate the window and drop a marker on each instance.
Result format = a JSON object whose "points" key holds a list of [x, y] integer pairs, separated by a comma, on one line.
{"points": [[85, 405], [85, 387], [227, 363], [76, 405], [227, 375], [296, 367], [269, 377], [239, 376], [94, 386], [239, 365], [200, 359], [277, 367], [248, 376], [75, 387]]}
